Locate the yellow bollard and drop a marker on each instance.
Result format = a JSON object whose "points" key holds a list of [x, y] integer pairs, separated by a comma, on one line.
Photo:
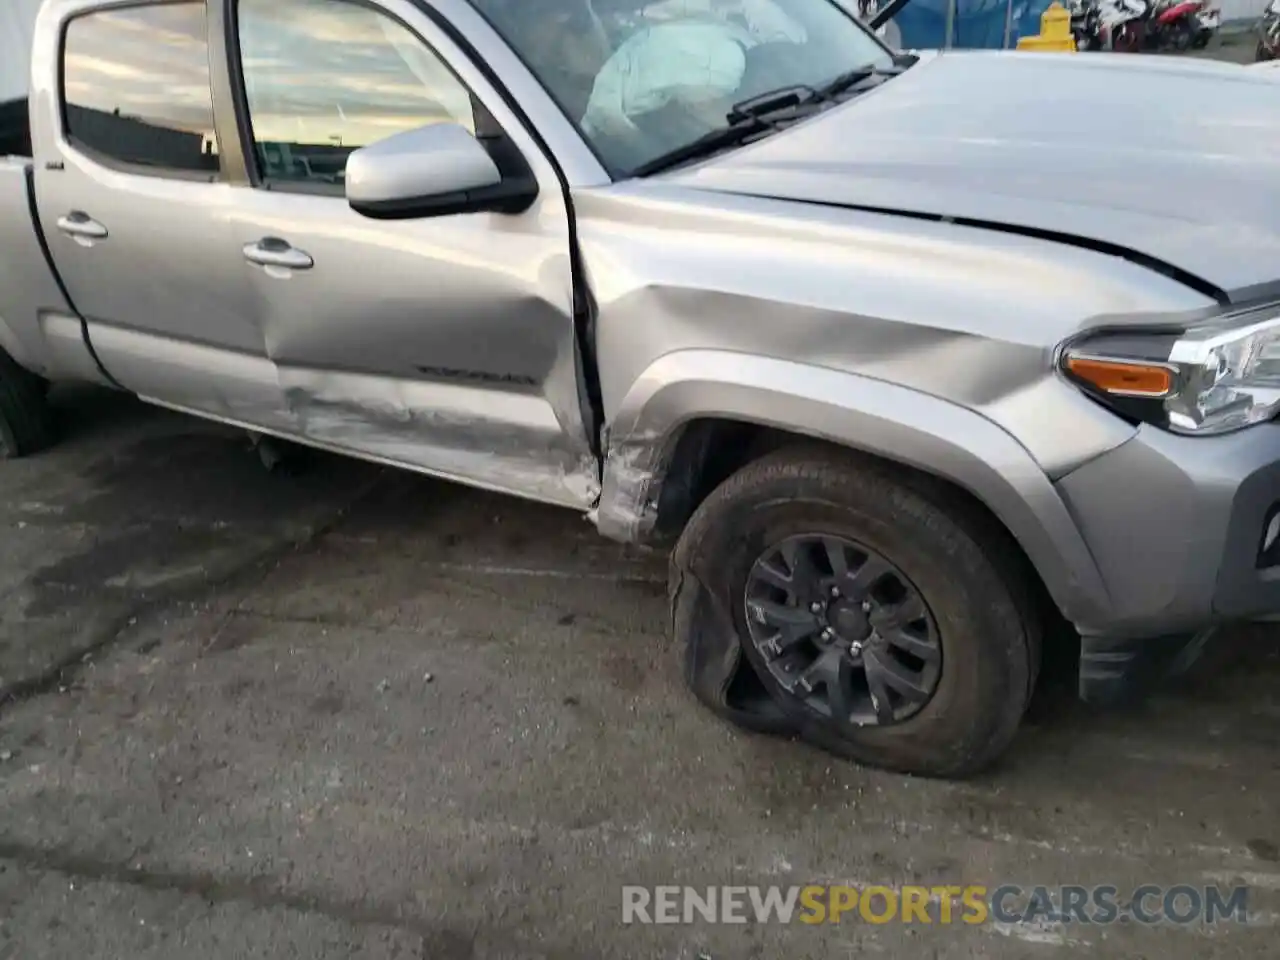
{"points": [[1055, 32]]}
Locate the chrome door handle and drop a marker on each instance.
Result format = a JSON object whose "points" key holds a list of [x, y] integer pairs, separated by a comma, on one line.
{"points": [[79, 224], [274, 252]]}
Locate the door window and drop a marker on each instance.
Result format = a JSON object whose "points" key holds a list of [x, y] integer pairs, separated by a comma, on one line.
{"points": [[135, 87], [325, 77]]}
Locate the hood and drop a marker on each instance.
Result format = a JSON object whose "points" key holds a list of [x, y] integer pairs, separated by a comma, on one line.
{"points": [[1177, 161]]}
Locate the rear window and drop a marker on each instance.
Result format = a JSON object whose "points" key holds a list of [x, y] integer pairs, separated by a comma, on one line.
{"points": [[136, 91]]}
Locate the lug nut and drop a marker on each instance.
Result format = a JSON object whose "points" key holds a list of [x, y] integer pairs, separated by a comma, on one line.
{"points": [[815, 607], [866, 606], [835, 591]]}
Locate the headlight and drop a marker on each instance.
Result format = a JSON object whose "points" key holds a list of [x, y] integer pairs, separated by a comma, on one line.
{"points": [[1206, 380]]}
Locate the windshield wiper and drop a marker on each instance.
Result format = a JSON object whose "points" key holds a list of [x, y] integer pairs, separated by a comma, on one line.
{"points": [[771, 101], [802, 95], [846, 81], [721, 138], [765, 113], [748, 120], [850, 78]]}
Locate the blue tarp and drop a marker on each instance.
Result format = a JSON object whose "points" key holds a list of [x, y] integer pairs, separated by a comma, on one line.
{"points": [[978, 24]]}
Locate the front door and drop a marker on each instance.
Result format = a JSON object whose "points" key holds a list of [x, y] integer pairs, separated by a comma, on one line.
{"points": [[444, 344], [136, 214]]}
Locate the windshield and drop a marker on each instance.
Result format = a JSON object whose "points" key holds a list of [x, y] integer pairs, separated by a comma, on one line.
{"points": [[642, 80]]}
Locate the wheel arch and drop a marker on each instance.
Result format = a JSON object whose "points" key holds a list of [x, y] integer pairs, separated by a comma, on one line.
{"points": [[696, 416]]}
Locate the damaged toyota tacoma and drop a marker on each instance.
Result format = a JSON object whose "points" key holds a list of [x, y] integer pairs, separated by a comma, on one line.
{"points": [[910, 356]]}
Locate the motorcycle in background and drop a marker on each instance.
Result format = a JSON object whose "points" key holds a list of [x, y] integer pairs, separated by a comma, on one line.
{"points": [[1124, 24], [1086, 27], [1147, 26], [1207, 22], [1174, 26], [1269, 33], [1140, 26]]}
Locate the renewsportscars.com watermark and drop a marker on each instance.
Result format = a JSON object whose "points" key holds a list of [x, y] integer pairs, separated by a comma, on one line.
{"points": [[971, 905]]}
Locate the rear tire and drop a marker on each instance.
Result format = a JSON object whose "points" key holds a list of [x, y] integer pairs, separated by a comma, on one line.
{"points": [[964, 570], [26, 421], [1127, 40]]}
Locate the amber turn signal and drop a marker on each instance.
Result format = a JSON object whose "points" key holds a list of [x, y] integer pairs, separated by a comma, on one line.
{"points": [[1123, 378]]}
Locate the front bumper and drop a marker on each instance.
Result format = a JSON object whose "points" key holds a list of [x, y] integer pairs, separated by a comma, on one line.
{"points": [[1185, 532]]}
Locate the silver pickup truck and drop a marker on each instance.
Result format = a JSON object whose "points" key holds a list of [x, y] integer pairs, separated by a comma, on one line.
{"points": [[912, 357]]}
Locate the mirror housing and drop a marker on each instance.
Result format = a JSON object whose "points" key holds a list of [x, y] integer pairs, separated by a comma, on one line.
{"points": [[433, 171]]}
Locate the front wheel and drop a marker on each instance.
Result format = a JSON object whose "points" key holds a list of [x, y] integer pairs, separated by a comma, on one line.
{"points": [[878, 616]]}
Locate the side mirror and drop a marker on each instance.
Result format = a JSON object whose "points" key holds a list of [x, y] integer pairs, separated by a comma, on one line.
{"points": [[432, 171]]}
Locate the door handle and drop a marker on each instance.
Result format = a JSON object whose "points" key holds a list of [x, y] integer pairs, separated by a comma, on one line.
{"points": [[82, 226], [274, 252]]}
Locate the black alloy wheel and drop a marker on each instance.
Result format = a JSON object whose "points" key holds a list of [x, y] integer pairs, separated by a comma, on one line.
{"points": [[871, 611], [843, 630]]}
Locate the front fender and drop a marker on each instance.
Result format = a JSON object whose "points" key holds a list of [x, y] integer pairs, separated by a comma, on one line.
{"points": [[873, 416]]}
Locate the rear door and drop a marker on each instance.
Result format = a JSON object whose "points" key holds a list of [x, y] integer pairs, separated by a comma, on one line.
{"points": [[443, 344], [137, 211]]}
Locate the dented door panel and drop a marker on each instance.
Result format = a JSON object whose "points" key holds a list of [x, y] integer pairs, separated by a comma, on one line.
{"points": [[445, 345]]}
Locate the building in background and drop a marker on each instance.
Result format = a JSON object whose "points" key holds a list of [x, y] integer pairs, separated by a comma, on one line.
{"points": [[1241, 9], [17, 23], [129, 137]]}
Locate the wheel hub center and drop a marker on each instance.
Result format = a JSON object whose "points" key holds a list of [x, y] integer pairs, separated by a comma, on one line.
{"points": [[849, 620]]}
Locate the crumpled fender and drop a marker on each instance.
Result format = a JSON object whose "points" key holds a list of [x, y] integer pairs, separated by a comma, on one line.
{"points": [[894, 422]]}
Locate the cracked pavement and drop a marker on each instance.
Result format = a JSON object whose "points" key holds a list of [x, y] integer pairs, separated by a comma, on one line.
{"points": [[361, 713]]}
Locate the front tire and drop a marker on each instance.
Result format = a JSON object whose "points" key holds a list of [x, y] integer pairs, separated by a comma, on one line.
{"points": [[943, 628], [26, 421]]}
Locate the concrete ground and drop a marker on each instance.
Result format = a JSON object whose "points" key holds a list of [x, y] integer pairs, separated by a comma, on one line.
{"points": [[359, 713], [1236, 46]]}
